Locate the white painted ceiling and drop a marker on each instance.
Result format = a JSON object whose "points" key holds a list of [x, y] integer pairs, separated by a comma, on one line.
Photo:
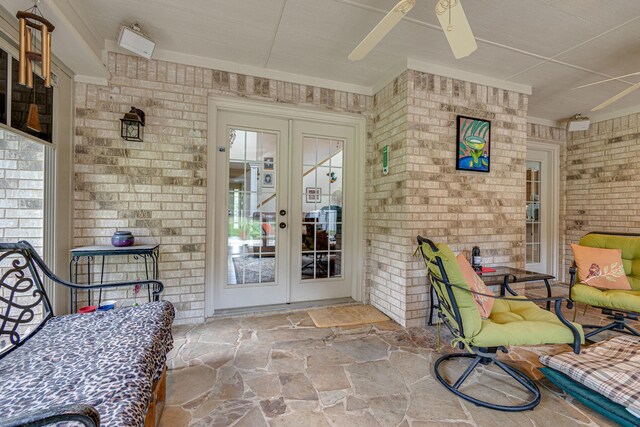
{"points": [[552, 45]]}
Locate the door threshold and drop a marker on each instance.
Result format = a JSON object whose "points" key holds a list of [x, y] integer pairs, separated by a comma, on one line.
{"points": [[283, 308]]}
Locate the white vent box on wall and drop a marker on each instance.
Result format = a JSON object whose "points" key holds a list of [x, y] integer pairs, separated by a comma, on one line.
{"points": [[136, 42], [578, 125]]}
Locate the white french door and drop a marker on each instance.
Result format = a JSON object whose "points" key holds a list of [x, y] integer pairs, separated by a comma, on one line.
{"points": [[322, 234], [282, 230], [251, 201], [541, 210]]}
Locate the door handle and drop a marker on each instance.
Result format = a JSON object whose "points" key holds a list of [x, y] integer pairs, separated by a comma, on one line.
{"points": [[283, 212], [283, 225]]}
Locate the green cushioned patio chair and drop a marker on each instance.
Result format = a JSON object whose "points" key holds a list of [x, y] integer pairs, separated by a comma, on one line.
{"points": [[617, 304], [513, 321]]}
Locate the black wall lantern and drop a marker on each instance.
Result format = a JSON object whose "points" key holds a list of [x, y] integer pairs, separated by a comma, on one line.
{"points": [[132, 128]]}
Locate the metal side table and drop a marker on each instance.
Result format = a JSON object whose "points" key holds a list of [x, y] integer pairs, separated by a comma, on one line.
{"points": [[148, 253]]}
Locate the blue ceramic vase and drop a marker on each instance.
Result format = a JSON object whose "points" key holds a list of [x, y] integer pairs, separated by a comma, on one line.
{"points": [[122, 238]]}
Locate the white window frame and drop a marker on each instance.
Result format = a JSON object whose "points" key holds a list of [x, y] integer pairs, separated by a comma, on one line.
{"points": [[58, 207]]}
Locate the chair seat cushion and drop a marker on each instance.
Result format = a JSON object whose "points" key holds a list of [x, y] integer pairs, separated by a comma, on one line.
{"points": [[608, 367], [107, 359], [515, 323], [614, 298]]}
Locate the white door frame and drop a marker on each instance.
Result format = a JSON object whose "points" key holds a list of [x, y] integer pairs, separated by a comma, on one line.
{"points": [[216, 104], [553, 151]]}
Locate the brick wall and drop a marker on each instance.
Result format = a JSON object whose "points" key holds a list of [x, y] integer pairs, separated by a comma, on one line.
{"points": [[384, 205], [602, 186], [21, 210], [429, 197], [463, 208], [157, 188], [21, 189], [557, 136]]}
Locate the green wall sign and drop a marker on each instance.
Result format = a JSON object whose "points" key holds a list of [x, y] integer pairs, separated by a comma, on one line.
{"points": [[385, 160]]}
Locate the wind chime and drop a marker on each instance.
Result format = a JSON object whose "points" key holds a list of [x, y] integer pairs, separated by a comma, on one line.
{"points": [[35, 46]]}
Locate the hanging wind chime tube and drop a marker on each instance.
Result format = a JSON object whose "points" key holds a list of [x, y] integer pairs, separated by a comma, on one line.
{"points": [[29, 62], [33, 26]]}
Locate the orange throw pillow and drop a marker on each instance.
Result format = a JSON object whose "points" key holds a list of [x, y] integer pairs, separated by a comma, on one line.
{"points": [[600, 268], [475, 283]]}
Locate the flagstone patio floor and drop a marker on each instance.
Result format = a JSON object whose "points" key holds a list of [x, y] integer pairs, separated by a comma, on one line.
{"points": [[280, 370]]}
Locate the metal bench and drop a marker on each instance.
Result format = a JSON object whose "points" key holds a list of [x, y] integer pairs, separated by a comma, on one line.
{"points": [[30, 335]]}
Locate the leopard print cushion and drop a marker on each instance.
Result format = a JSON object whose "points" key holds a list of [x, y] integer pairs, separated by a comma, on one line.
{"points": [[105, 359]]}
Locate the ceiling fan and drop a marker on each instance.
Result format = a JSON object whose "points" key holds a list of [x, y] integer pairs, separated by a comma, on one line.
{"points": [[614, 98], [452, 19]]}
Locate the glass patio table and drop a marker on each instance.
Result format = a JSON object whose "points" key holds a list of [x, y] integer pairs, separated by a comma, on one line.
{"points": [[504, 276]]}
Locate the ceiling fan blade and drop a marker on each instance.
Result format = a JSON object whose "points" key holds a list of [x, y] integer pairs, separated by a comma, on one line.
{"points": [[456, 27], [379, 31], [613, 99], [607, 80]]}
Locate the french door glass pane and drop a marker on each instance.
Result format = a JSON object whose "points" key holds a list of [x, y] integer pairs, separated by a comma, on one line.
{"points": [[533, 231], [252, 207], [322, 207]]}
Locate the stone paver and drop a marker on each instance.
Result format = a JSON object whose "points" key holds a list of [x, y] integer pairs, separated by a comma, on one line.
{"points": [[266, 386], [327, 378], [279, 370], [186, 384]]}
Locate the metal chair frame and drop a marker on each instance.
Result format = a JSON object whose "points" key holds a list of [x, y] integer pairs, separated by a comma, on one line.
{"points": [[24, 279], [618, 316], [83, 414], [481, 355]]}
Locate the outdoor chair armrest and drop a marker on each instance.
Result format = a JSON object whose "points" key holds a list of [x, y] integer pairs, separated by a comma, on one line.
{"points": [[84, 414], [157, 285], [572, 273]]}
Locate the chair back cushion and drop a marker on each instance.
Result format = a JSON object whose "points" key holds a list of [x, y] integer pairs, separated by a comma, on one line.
{"points": [[475, 283], [600, 268], [464, 300], [630, 246]]}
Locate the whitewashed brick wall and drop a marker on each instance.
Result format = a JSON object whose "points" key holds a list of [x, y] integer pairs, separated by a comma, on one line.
{"points": [[384, 205], [424, 194], [602, 185], [21, 189], [157, 188]]}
